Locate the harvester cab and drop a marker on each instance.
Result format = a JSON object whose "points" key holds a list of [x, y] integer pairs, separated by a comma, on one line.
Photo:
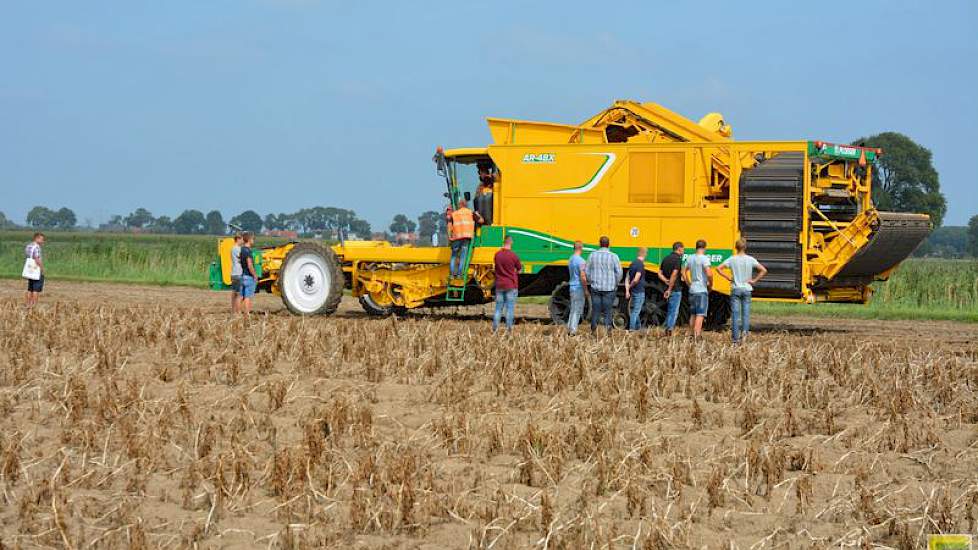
{"points": [[467, 173], [470, 176]]}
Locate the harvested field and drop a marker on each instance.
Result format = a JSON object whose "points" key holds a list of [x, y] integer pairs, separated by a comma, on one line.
{"points": [[137, 417]]}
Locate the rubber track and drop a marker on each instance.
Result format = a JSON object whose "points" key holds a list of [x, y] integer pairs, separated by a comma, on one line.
{"points": [[771, 218], [895, 237]]}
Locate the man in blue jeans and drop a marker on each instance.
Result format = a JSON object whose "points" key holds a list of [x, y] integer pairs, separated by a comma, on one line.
{"points": [[577, 283], [741, 267], [603, 273], [669, 271], [507, 267], [635, 289]]}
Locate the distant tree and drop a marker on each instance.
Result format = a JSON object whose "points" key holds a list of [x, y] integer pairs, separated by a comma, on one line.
{"points": [[402, 224], [115, 220], [249, 220], [428, 225], [948, 241], [6, 223], [65, 218], [190, 222], [360, 228], [138, 219], [215, 223], [163, 224], [274, 222], [905, 179], [41, 217], [341, 219], [973, 236]]}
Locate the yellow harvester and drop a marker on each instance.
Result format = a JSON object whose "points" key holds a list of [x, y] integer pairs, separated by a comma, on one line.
{"points": [[644, 176]]}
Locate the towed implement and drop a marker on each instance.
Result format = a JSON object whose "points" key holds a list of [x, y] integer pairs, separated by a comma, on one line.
{"points": [[645, 177]]}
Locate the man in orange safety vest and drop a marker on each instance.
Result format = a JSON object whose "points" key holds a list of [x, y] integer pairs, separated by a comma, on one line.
{"points": [[460, 234]]}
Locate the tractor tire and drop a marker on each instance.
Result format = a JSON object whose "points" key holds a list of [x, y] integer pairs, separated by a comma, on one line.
{"points": [[560, 305], [718, 312], [373, 309], [311, 280]]}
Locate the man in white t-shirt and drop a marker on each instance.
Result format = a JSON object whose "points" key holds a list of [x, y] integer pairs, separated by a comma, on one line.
{"points": [[741, 267], [699, 277]]}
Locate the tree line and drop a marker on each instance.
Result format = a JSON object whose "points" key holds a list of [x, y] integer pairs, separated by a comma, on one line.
{"points": [[325, 221]]}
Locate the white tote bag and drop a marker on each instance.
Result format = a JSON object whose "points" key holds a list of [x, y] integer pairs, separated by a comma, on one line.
{"points": [[32, 271]]}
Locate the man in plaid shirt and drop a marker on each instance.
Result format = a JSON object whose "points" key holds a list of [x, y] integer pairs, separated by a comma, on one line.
{"points": [[34, 287], [603, 272]]}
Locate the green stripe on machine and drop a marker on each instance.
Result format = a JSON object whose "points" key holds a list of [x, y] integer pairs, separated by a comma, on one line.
{"points": [[538, 249]]}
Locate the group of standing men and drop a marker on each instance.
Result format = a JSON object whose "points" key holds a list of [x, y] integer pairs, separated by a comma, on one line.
{"points": [[601, 273]]}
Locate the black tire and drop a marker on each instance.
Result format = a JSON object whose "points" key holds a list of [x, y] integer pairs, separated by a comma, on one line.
{"points": [[560, 305], [718, 312], [373, 309], [656, 306], [311, 280], [619, 310]]}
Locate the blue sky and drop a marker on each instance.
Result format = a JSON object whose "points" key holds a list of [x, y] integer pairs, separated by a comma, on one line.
{"points": [[277, 105]]}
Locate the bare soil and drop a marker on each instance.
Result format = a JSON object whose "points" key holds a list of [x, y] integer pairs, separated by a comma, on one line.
{"points": [[135, 417]]}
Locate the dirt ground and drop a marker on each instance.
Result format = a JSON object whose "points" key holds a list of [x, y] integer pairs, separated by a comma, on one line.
{"points": [[88, 294], [143, 417]]}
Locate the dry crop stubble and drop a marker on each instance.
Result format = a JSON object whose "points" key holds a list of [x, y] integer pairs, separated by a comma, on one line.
{"points": [[159, 426]]}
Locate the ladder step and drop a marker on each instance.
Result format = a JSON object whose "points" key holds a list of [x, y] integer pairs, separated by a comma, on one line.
{"points": [[455, 294]]}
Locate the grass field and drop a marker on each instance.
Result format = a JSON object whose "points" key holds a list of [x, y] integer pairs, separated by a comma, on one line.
{"points": [[147, 259], [920, 289]]}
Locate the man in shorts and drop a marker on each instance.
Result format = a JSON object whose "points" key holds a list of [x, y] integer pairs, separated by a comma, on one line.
{"points": [[34, 287], [249, 277], [236, 274], [699, 276]]}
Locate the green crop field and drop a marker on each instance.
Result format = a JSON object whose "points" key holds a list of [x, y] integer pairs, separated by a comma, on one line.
{"points": [[920, 289], [123, 258]]}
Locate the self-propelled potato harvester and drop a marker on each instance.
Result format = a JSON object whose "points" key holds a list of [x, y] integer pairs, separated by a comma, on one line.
{"points": [[643, 176]]}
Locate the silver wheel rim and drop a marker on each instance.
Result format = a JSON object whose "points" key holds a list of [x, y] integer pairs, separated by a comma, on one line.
{"points": [[307, 282]]}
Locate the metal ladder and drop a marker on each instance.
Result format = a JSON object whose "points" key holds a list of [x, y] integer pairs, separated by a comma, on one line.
{"points": [[456, 293]]}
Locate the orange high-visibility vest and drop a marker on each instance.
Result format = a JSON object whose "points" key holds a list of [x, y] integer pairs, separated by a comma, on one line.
{"points": [[463, 225]]}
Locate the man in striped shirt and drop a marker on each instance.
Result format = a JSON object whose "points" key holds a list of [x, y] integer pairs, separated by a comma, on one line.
{"points": [[603, 272]]}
